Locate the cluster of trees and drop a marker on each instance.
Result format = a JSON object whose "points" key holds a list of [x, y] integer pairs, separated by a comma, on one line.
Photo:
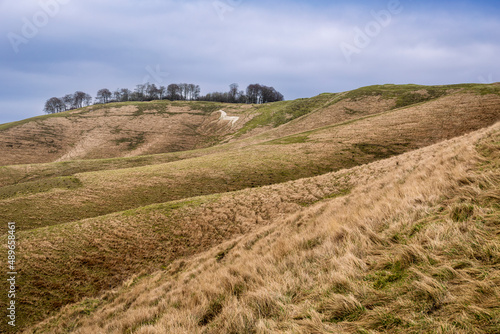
{"points": [[255, 93], [262, 94], [69, 101], [150, 92]]}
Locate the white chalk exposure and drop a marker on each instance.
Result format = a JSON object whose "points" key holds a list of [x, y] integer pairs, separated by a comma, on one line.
{"points": [[225, 117]]}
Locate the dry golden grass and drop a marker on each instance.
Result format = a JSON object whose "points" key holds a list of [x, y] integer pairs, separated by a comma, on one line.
{"points": [[254, 163], [413, 248], [341, 111], [136, 128], [212, 197], [91, 255], [116, 130]]}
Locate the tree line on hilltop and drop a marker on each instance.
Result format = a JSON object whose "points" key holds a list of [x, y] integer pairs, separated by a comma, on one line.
{"points": [[255, 93]]}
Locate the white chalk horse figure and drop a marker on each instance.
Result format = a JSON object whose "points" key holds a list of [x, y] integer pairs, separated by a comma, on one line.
{"points": [[225, 117]]}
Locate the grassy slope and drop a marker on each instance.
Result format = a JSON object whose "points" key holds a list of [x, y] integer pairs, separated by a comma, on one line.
{"points": [[91, 255], [47, 139], [219, 169], [268, 115], [18, 174], [413, 248], [113, 130], [14, 174], [141, 108], [311, 153]]}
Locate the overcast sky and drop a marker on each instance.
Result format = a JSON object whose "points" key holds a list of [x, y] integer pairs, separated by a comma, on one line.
{"points": [[301, 47]]}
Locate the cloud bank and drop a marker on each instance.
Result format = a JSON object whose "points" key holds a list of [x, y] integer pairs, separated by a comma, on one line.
{"points": [[53, 47]]}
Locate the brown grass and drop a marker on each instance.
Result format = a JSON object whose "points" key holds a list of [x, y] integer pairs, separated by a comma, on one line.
{"points": [[308, 154], [413, 248], [91, 255], [137, 128], [182, 204], [111, 131]]}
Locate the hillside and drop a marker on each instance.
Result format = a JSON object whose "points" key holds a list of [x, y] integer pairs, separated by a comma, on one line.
{"points": [[411, 246], [131, 129], [108, 195], [113, 130], [252, 162]]}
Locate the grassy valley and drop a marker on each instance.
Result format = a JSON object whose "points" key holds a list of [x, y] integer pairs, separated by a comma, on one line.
{"points": [[357, 212]]}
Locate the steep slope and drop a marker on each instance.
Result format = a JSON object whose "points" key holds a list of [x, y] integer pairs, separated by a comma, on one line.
{"points": [[114, 130], [273, 162], [143, 128], [414, 247], [311, 153], [327, 109]]}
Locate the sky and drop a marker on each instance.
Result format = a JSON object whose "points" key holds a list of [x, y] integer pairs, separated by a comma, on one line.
{"points": [[300, 47]]}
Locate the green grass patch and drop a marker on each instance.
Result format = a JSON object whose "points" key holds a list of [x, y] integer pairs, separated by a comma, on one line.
{"points": [[133, 142], [394, 273], [278, 113], [351, 315], [168, 207], [350, 111], [7, 126], [387, 91], [35, 187], [406, 94], [206, 107], [381, 151], [462, 212], [387, 321], [297, 139], [87, 306], [410, 98]]}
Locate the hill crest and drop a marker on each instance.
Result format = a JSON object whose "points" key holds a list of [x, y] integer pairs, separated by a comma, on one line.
{"points": [[99, 222], [131, 129]]}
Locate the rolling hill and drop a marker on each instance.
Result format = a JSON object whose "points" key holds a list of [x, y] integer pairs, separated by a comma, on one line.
{"points": [[120, 202]]}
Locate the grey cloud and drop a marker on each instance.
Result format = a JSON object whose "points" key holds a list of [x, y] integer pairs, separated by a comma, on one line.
{"points": [[94, 44]]}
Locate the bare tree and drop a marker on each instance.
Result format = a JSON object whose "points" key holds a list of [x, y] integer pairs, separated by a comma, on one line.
{"points": [[152, 92], [87, 100], [125, 94], [78, 99], [117, 96], [253, 93], [183, 89], [233, 92], [269, 94], [262, 94], [54, 105], [69, 101], [196, 92], [173, 92], [139, 92], [161, 92], [103, 95]]}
